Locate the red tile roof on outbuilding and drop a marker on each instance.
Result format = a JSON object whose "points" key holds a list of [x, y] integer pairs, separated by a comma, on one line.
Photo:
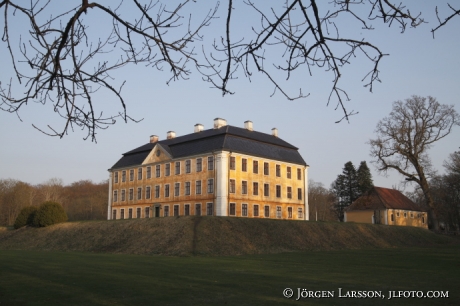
{"points": [[383, 198]]}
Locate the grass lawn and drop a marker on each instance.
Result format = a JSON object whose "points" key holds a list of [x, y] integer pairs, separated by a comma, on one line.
{"points": [[55, 278]]}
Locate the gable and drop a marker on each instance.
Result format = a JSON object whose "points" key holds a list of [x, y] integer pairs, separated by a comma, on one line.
{"points": [[157, 154]]}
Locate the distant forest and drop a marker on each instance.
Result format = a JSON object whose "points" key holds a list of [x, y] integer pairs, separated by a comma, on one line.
{"points": [[82, 200]]}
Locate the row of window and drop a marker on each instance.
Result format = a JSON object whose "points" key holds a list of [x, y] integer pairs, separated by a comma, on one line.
{"points": [[266, 211], [199, 168], [198, 191], [167, 191], [255, 189], [209, 211], [166, 211], [266, 169], [418, 216]]}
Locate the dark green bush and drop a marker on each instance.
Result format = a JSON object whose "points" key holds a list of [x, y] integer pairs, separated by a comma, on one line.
{"points": [[49, 213], [25, 217]]}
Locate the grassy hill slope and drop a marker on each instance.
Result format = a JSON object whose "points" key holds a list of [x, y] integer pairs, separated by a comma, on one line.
{"points": [[185, 236]]}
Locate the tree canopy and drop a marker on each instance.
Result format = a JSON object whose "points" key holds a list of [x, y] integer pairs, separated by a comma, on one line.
{"points": [[64, 53], [405, 136]]}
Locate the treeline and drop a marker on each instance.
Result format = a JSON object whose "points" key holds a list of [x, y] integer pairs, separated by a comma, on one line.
{"points": [[82, 200], [329, 204], [445, 190]]}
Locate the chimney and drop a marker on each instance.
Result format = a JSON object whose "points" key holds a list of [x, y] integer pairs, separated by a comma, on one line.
{"points": [[248, 125], [171, 135], [153, 138], [275, 132], [219, 122], [198, 128]]}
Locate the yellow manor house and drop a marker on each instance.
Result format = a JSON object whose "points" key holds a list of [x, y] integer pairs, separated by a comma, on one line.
{"points": [[224, 171]]}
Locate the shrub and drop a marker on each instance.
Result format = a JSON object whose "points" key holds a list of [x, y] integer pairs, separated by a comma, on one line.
{"points": [[25, 217], [49, 213]]}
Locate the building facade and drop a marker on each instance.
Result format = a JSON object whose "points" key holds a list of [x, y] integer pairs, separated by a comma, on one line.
{"points": [[386, 206], [223, 171]]}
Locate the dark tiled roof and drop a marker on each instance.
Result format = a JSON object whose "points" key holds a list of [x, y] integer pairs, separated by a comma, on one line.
{"points": [[229, 138], [383, 198]]}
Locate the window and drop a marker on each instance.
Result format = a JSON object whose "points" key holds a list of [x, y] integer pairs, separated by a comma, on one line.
{"points": [[290, 212], [244, 210], [130, 213], [147, 192], [139, 174], [176, 210], [123, 176], [210, 185], [167, 191], [166, 211], [255, 188], [232, 186], [299, 193], [397, 214], [131, 194], [157, 171], [116, 177], [278, 191], [149, 172], [278, 212], [232, 162], [115, 195], [114, 214], [209, 209], [187, 210], [266, 190], [299, 213], [139, 193], [157, 191], [405, 214], [167, 169], [122, 213], [255, 166], [232, 209], [131, 175], [412, 215], [256, 210], [266, 169], [299, 174], [423, 219], [392, 218], [199, 165], [123, 195], [210, 163], [187, 188], [177, 171], [244, 164], [289, 192], [198, 187], [267, 211], [288, 172], [138, 212], [244, 187], [188, 166], [147, 212], [278, 170], [176, 189], [198, 209]]}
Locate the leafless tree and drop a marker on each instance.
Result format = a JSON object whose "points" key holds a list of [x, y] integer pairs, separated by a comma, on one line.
{"points": [[14, 195], [62, 59], [51, 190], [321, 202], [404, 137]]}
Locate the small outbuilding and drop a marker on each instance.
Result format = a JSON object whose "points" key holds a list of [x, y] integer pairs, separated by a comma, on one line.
{"points": [[386, 206]]}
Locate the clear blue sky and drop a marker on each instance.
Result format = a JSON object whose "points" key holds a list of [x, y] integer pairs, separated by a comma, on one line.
{"points": [[417, 65]]}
